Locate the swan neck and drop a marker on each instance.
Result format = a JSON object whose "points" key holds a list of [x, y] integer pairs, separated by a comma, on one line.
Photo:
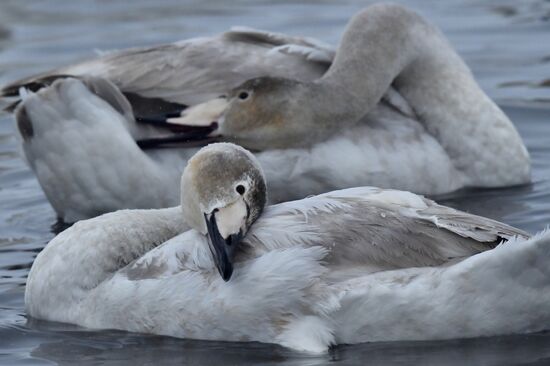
{"points": [[81, 258], [378, 44], [388, 45]]}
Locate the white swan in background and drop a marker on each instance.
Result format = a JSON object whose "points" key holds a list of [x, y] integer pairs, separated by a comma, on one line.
{"points": [[395, 107], [356, 265]]}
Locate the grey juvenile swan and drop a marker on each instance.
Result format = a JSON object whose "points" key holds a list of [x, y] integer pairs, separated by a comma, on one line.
{"points": [[395, 107], [356, 265]]}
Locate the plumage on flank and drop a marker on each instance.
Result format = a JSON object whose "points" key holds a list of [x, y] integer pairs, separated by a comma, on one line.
{"points": [[349, 266]]}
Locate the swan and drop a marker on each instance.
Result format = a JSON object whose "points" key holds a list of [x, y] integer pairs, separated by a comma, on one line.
{"points": [[394, 107], [349, 266]]}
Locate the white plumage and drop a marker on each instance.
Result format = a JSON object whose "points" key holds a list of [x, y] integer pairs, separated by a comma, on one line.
{"points": [[356, 265]]}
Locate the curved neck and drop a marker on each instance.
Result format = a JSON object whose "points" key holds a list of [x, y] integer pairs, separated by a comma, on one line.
{"points": [[376, 47], [385, 45], [83, 256]]}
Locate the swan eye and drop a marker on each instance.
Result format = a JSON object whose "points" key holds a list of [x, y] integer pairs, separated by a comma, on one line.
{"points": [[244, 95], [240, 189]]}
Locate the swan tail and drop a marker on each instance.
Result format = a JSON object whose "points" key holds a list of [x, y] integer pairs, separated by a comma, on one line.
{"points": [[76, 135], [11, 92], [501, 291]]}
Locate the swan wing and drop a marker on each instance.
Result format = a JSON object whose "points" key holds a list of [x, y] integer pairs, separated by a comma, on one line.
{"points": [[478, 228], [171, 76], [195, 70], [377, 229]]}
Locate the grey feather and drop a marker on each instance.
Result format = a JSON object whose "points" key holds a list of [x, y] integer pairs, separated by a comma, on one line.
{"points": [[475, 227], [193, 71], [360, 230], [107, 91]]}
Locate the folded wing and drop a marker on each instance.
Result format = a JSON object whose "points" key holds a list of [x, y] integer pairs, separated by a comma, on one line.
{"points": [[370, 229]]}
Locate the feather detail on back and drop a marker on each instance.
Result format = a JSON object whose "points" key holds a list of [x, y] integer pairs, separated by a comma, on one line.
{"points": [[379, 229]]}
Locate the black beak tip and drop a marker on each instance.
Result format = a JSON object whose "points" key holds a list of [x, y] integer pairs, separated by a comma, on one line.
{"points": [[227, 273], [222, 249]]}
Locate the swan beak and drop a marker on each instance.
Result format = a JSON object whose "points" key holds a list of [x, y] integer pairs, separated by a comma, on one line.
{"points": [[200, 115], [222, 249], [197, 124]]}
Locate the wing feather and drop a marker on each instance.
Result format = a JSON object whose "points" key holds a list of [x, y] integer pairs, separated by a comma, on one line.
{"points": [[193, 71], [379, 229], [481, 229]]}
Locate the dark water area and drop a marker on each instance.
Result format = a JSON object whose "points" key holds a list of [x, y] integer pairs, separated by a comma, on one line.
{"points": [[506, 43]]}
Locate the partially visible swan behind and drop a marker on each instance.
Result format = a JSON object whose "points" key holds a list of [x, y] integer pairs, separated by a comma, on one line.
{"points": [[356, 265], [395, 107]]}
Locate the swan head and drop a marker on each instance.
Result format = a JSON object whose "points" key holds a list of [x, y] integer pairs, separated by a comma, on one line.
{"points": [[265, 113], [223, 193], [261, 113]]}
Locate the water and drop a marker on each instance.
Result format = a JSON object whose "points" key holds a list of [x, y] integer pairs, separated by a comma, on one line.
{"points": [[505, 42]]}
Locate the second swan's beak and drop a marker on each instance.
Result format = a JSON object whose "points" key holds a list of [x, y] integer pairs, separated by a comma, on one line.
{"points": [[222, 249], [193, 126]]}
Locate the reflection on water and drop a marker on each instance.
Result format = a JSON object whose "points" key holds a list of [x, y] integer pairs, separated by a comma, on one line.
{"points": [[504, 41], [71, 346]]}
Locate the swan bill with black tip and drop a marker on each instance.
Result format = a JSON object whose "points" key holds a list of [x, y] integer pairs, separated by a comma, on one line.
{"points": [[222, 248]]}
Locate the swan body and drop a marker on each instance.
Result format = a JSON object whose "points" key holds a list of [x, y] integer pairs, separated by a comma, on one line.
{"points": [[417, 123], [349, 266], [88, 163]]}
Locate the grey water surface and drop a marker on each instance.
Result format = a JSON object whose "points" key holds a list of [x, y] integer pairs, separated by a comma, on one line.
{"points": [[506, 43]]}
